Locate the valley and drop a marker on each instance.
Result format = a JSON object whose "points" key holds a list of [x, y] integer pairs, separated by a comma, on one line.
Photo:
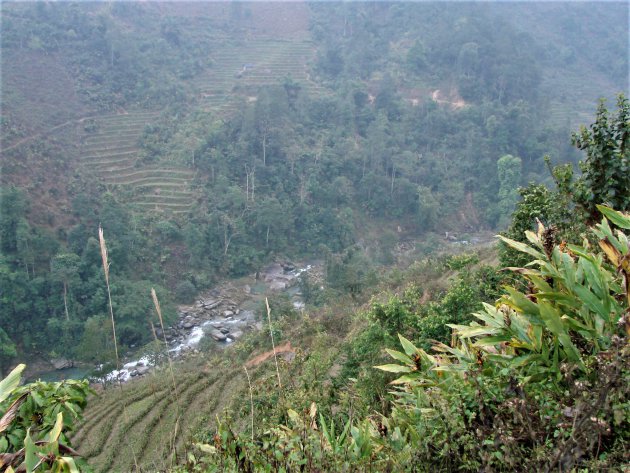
{"points": [[350, 164]]}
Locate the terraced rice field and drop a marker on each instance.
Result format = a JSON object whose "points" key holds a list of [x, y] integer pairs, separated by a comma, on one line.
{"points": [[155, 424], [246, 66], [110, 153], [576, 104]]}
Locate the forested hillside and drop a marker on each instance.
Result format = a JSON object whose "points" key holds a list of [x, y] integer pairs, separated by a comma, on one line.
{"points": [[329, 172], [211, 139]]}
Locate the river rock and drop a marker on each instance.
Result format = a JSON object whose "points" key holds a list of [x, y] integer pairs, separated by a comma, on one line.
{"points": [[142, 370], [62, 363], [217, 335], [224, 330], [188, 325], [288, 267], [228, 313], [210, 304], [236, 334]]}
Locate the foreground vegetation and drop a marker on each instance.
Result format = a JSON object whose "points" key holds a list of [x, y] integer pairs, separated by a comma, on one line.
{"points": [[537, 379]]}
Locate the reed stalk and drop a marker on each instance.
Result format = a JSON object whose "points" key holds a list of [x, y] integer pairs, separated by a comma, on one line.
{"points": [[105, 259], [273, 344], [158, 309], [251, 399]]}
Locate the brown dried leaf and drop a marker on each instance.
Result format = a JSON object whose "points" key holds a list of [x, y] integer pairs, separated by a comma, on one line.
{"points": [[8, 416]]}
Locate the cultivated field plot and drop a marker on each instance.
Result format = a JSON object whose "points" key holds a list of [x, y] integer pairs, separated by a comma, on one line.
{"points": [[244, 67], [146, 422], [110, 150]]}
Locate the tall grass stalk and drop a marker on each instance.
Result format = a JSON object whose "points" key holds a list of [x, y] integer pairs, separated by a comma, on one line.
{"points": [[251, 399], [174, 394], [158, 309], [105, 259], [273, 344]]}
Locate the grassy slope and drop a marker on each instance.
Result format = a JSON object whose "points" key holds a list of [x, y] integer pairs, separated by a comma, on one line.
{"points": [[158, 422]]}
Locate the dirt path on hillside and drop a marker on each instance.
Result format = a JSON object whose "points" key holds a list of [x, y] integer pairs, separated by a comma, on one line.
{"points": [[457, 103], [281, 350], [76, 121]]}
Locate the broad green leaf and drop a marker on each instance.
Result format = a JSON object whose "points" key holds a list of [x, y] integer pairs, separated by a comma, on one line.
{"points": [[30, 453], [491, 316], [399, 356], [551, 318], [492, 341], [532, 237], [620, 219], [570, 349], [623, 242], [594, 304], [405, 379], [409, 347], [469, 331], [37, 398], [66, 464], [12, 381], [53, 435], [565, 299], [519, 302], [324, 429], [522, 247]]}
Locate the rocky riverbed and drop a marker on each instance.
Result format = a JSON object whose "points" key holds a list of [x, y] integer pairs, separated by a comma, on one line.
{"points": [[224, 313]]}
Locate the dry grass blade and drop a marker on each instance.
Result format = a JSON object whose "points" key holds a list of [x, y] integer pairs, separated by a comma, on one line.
{"points": [[273, 344], [174, 394], [158, 309], [251, 399], [12, 411], [103, 246]]}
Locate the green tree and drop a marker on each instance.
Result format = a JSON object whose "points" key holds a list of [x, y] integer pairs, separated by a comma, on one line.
{"points": [[606, 170], [7, 350], [509, 171], [64, 267], [427, 208]]}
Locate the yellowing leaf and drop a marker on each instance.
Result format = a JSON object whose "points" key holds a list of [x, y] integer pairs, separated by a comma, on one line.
{"points": [[611, 252], [12, 381], [394, 368]]}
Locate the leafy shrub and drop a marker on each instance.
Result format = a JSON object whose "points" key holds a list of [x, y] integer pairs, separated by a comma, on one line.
{"points": [[540, 382], [36, 419]]}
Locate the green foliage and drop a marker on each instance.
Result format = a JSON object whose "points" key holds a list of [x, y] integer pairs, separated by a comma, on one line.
{"points": [[537, 202], [606, 170], [461, 261], [553, 348], [7, 350], [509, 172], [350, 272], [539, 381], [35, 423]]}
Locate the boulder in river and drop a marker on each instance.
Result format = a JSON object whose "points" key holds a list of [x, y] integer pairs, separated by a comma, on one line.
{"points": [[217, 335], [62, 363]]}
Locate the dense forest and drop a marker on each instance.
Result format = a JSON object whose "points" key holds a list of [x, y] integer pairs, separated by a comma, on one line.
{"points": [[210, 140]]}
